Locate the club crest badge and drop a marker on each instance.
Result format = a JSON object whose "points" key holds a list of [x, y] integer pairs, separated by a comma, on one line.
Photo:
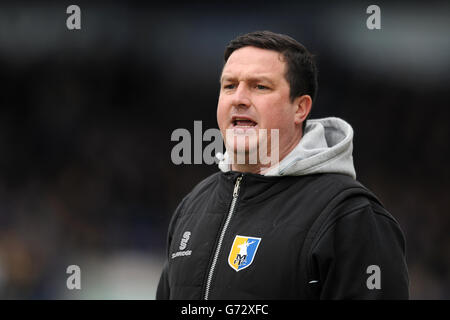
{"points": [[243, 252]]}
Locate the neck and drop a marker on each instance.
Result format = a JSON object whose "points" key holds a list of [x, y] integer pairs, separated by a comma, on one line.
{"points": [[251, 168]]}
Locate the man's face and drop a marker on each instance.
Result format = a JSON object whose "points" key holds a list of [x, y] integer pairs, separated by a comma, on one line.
{"points": [[254, 95]]}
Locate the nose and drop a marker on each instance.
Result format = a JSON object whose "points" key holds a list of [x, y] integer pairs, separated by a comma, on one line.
{"points": [[241, 96]]}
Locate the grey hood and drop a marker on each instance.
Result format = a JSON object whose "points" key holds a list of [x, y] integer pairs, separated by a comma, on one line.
{"points": [[326, 147]]}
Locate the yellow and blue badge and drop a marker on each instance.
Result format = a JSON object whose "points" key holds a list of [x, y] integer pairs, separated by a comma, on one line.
{"points": [[243, 252]]}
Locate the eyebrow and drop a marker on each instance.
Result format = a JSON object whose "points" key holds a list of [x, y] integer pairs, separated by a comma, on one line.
{"points": [[250, 79]]}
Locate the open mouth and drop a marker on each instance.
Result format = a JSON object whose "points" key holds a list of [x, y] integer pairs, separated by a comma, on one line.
{"points": [[243, 122]]}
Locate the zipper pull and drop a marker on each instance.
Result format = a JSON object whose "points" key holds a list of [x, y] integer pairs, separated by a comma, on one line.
{"points": [[236, 186]]}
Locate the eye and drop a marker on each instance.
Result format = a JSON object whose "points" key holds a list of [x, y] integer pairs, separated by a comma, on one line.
{"points": [[261, 87], [229, 86]]}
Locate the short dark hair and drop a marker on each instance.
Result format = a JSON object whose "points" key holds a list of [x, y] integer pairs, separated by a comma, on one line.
{"points": [[301, 71]]}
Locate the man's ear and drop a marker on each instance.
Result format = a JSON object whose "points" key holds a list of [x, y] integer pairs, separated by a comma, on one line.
{"points": [[303, 105]]}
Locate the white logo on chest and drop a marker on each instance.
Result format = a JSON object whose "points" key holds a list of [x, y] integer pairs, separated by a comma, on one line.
{"points": [[183, 244], [185, 240]]}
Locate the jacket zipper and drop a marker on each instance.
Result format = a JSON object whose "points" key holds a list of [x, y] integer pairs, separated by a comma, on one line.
{"points": [[222, 235]]}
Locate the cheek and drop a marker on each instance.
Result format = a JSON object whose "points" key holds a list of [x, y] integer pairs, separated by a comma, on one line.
{"points": [[221, 114], [276, 116]]}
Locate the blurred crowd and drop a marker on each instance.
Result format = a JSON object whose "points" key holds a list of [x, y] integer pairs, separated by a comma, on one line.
{"points": [[86, 176]]}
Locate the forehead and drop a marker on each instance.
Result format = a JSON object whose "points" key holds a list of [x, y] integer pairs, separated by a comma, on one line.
{"points": [[252, 61]]}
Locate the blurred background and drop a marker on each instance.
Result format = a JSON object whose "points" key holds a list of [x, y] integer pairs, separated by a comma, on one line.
{"points": [[86, 118]]}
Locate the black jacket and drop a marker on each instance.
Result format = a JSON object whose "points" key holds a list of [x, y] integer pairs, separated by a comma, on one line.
{"points": [[248, 236]]}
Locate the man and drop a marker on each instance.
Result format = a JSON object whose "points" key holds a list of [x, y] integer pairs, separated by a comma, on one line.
{"points": [[310, 230]]}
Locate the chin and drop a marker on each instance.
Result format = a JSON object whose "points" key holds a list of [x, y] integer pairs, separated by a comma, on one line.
{"points": [[244, 153]]}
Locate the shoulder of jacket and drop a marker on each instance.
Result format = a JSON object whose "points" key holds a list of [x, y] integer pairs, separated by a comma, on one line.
{"points": [[198, 190], [338, 181], [343, 195], [203, 185], [341, 188], [351, 198], [351, 212]]}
